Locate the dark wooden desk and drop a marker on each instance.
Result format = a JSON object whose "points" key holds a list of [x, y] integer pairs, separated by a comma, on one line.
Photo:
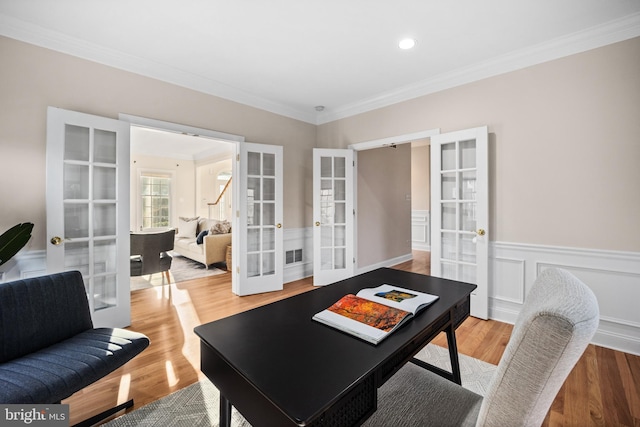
{"points": [[280, 368]]}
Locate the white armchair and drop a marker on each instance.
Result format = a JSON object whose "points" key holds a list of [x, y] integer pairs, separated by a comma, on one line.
{"points": [[558, 320]]}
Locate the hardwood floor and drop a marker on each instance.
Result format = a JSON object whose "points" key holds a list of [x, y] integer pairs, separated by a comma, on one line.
{"points": [[602, 390]]}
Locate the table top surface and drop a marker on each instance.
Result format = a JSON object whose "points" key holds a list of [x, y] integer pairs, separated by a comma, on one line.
{"points": [[301, 365]]}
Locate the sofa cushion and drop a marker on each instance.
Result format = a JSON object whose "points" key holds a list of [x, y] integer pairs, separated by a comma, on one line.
{"points": [[54, 373], [188, 245], [41, 311], [203, 224]]}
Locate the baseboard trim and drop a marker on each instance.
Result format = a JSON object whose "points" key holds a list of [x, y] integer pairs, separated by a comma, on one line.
{"points": [[386, 263]]}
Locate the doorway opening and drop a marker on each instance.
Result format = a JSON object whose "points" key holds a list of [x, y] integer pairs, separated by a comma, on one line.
{"points": [[416, 192], [177, 174]]}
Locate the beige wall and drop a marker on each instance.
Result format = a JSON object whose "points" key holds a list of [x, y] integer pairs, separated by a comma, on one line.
{"points": [[420, 179], [564, 135], [32, 78], [208, 189], [384, 206], [564, 145]]}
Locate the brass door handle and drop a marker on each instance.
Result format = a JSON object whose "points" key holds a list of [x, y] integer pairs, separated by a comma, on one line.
{"points": [[279, 225], [481, 232], [317, 223], [55, 240]]}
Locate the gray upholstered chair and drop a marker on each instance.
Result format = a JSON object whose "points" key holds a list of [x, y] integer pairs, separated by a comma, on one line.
{"points": [[149, 253], [557, 322]]}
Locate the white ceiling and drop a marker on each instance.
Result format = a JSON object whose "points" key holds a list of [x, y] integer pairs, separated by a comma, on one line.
{"points": [[289, 56], [158, 143]]}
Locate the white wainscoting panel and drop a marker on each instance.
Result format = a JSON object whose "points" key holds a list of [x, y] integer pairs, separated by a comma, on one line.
{"points": [[420, 230], [613, 276], [299, 238], [24, 265]]}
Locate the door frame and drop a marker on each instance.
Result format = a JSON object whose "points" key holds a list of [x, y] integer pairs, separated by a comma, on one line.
{"points": [[212, 134], [369, 145]]}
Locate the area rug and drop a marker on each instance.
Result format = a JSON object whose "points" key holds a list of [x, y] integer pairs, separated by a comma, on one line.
{"points": [[198, 404], [182, 269]]}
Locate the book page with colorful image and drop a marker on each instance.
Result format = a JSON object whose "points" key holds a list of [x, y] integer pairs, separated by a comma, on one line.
{"points": [[373, 313], [369, 312]]}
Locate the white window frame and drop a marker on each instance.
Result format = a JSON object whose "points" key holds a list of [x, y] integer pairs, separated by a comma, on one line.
{"points": [[172, 196]]}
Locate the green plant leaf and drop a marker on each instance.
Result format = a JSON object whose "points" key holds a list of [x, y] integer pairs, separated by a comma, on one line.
{"points": [[14, 239]]}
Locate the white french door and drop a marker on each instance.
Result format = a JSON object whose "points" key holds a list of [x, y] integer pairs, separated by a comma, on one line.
{"points": [[460, 211], [333, 215], [87, 193], [260, 246]]}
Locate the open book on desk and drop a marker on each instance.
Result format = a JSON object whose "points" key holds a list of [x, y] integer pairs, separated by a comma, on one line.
{"points": [[374, 313]]}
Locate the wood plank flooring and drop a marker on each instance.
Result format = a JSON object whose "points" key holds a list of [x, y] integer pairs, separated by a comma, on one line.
{"points": [[602, 390]]}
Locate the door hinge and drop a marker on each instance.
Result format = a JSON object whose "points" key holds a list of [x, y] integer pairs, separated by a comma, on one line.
{"points": [[237, 157]]}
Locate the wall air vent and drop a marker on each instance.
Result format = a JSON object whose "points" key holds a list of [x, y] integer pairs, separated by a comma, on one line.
{"points": [[293, 256]]}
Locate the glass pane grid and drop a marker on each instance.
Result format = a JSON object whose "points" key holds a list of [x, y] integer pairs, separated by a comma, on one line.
{"points": [[156, 200], [261, 214]]}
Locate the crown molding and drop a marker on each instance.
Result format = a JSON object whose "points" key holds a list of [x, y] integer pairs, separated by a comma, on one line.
{"points": [[39, 36], [598, 36]]}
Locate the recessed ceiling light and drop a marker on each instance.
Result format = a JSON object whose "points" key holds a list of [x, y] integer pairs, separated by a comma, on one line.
{"points": [[407, 43]]}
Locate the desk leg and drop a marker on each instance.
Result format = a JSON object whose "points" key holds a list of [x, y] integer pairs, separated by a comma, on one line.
{"points": [[454, 375], [453, 354], [225, 412]]}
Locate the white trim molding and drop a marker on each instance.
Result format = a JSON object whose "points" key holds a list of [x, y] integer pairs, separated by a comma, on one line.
{"points": [[613, 276], [24, 265], [420, 230], [387, 263]]}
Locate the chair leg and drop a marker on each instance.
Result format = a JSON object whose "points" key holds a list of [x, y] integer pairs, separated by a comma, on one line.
{"points": [[104, 415], [166, 273]]}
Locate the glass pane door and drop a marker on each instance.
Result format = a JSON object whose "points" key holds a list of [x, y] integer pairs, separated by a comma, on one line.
{"points": [[459, 248], [87, 221], [260, 219], [333, 213]]}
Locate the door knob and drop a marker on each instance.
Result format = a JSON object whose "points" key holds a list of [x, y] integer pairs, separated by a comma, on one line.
{"points": [[55, 240], [317, 223], [279, 225], [481, 232]]}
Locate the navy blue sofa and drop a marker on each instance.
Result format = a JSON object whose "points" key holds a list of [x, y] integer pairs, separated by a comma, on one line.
{"points": [[49, 348]]}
